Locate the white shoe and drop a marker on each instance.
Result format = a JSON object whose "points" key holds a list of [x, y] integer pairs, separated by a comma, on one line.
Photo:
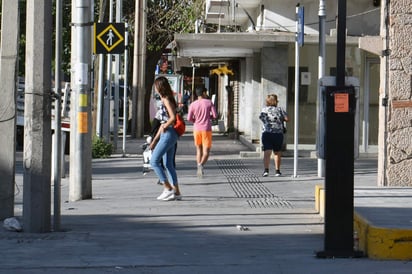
{"points": [[166, 194], [170, 198], [199, 171]]}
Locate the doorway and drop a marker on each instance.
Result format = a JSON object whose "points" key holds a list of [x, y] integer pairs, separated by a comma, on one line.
{"points": [[370, 115]]}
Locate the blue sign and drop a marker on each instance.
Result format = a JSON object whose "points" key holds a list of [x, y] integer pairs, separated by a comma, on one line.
{"points": [[300, 24]]}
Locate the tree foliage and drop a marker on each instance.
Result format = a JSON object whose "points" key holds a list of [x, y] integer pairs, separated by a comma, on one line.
{"points": [[164, 19]]}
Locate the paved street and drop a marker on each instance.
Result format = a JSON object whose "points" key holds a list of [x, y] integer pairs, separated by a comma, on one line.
{"points": [[231, 221]]}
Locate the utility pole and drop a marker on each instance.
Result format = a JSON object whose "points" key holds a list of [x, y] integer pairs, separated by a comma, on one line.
{"points": [[80, 117], [139, 59], [8, 77], [57, 136], [37, 118], [142, 65], [116, 113], [125, 91], [135, 75], [100, 82], [109, 86]]}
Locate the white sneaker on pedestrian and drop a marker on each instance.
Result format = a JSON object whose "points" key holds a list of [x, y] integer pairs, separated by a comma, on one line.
{"points": [[170, 197], [165, 194], [199, 171]]}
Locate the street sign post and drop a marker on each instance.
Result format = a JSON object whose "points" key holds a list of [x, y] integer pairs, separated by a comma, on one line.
{"points": [[298, 43]]}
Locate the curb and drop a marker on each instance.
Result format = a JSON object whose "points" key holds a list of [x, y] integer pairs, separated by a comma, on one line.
{"points": [[383, 243], [376, 242]]}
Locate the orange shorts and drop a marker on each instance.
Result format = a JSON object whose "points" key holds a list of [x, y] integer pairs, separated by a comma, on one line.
{"points": [[203, 138]]}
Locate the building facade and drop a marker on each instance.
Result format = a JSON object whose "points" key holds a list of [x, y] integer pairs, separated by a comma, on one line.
{"points": [[395, 115], [261, 52]]}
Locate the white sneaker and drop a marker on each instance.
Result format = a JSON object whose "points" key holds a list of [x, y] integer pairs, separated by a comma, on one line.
{"points": [[170, 197], [165, 194], [199, 171]]}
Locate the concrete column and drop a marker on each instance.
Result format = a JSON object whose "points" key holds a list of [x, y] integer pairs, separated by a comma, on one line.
{"points": [[37, 118], [8, 76], [275, 73], [245, 115], [382, 131], [274, 79], [255, 98]]}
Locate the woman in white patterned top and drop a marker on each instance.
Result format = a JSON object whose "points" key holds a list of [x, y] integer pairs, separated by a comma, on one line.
{"points": [[273, 118]]}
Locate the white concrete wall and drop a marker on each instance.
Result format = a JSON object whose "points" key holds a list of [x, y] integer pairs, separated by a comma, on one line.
{"points": [[363, 17], [264, 74], [245, 97]]}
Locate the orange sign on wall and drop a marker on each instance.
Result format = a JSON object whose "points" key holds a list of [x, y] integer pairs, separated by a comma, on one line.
{"points": [[341, 102]]}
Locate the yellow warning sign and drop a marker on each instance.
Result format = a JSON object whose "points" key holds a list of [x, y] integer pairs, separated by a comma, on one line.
{"points": [[109, 38]]}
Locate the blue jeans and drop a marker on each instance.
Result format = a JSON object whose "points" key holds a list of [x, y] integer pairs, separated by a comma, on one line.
{"points": [[165, 148]]}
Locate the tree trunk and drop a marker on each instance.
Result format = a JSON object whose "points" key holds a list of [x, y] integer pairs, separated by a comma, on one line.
{"points": [[151, 62]]}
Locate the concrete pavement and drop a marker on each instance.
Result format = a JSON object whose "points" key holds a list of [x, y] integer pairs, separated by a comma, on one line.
{"points": [[231, 221]]}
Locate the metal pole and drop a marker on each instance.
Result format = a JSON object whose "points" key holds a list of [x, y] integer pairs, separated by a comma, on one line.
{"points": [[296, 113], [135, 75], [339, 156], [99, 122], [125, 99], [109, 81], [116, 113], [57, 137], [193, 80], [80, 120], [341, 44], [321, 73]]}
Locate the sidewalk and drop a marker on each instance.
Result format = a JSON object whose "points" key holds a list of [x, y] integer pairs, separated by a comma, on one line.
{"points": [[231, 221]]}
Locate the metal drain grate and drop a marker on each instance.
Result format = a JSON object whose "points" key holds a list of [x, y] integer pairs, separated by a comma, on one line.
{"points": [[246, 184]]}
